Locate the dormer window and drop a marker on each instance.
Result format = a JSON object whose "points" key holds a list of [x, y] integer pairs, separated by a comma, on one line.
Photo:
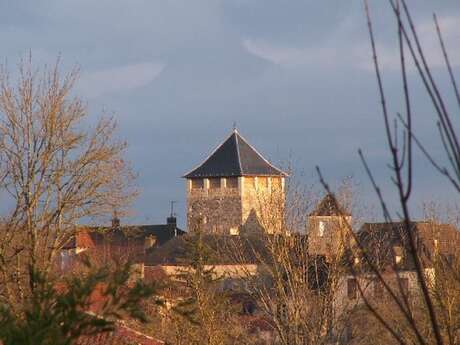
{"points": [[214, 183], [150, 241]]}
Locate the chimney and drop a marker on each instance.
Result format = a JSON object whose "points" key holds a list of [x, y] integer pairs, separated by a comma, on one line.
{"points": [[115, 222], [171, 220]]}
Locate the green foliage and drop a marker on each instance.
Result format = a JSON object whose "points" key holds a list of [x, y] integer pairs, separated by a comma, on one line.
{"points": [[57, 313]]}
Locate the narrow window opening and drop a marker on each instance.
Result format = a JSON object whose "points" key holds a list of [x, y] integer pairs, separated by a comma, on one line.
{"points": [[321, 228], [352, 288]]}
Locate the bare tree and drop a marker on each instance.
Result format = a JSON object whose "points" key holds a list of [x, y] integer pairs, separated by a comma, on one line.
{"points": [[57, 169], [421, 319], [295, 290], [200, 311]]}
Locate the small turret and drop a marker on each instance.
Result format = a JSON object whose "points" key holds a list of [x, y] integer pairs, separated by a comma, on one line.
{"points": [[328, 228]]}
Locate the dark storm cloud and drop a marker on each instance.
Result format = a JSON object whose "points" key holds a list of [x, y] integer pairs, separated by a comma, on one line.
{"points": [[296, 76]]}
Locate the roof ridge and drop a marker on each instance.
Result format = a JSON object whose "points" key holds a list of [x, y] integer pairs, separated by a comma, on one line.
{"points": [[235, 156], [235, 132], [260, 155], [209, 156]]}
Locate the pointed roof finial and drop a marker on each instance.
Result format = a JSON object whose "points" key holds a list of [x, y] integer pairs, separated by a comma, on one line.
{"points": [[235, 129]]}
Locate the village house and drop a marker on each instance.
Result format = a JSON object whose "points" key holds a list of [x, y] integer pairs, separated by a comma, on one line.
{"points": [[388, 250], [118, 242], [228, 198]]}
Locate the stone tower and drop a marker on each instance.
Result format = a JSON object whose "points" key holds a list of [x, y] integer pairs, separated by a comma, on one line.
{"points": [[328, 232], [225, 192]]}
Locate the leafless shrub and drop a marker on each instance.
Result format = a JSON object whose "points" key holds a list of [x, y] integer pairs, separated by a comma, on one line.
{"points": [[423, 321]]}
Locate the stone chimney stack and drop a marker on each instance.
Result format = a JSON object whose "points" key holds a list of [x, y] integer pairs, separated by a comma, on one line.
{"points": [[171, 220], [115, 222]]}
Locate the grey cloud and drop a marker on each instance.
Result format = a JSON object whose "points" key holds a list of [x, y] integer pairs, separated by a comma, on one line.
{"points": [[295, 76], [117, 79]]}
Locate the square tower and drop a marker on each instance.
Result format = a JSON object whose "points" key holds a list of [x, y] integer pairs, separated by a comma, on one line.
{"points": [[329, 228], [232, 188]]}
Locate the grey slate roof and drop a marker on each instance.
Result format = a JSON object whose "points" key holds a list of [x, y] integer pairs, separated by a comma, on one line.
{"points": [[382, 241], [235, 157], [119, 235], [220, 248]]}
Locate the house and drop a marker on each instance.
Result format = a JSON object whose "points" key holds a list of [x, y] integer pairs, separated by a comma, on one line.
{"points": [[329, 228], [388, 251], [117, 242]]}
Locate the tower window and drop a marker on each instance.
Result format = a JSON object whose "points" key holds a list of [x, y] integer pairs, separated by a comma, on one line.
{"points": [[232, 182], [197, 183], [321, 228], [378, 288], [214, 183], [263, 182], [234, 231]]}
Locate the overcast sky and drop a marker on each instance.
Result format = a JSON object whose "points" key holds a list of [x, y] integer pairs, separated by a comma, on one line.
{"points": [[295, 75]]}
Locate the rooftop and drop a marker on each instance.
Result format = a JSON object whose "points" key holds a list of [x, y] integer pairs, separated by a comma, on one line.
{"points": [[235, 157], [329, 206]]}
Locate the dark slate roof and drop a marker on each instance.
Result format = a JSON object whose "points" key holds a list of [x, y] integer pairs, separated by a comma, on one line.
{"points": [[221, 250], [235, 157], [329, 206], [425, 232], [380, 240], [162, 232], [119, 235]]}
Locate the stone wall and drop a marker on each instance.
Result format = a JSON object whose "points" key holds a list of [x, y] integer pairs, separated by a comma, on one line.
{"points": [[235, 204], [331, 239], [216, 209], [218, 271], [372, 288], [263, 203]]}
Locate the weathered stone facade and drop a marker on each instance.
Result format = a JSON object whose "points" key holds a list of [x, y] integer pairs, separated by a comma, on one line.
{"points": [[215, 210], [235, 204], [263, 203], [233, 188], [328, 235]]}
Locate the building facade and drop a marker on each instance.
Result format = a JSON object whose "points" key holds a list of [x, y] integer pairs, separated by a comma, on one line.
{"points": [[329, 229]]}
